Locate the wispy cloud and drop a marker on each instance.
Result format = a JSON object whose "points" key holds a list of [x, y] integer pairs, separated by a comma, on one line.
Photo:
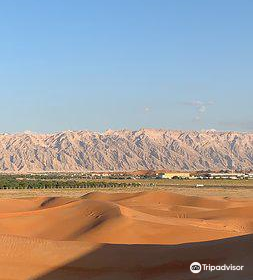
{"points": [[242, 125], [146, 109], [200, 106]]}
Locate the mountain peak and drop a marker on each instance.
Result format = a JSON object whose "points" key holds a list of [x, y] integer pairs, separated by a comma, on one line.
{"points": [[126, 150]]}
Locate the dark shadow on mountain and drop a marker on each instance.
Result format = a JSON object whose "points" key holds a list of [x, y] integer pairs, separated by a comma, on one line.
{"points": [[160, 262]]}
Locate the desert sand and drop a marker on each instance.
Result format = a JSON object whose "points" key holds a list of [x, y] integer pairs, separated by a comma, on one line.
{"points": [[124, 236]]}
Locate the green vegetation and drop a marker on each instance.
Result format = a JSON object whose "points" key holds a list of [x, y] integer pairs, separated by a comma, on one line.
{"points": [[14, 182], [70, 181]]}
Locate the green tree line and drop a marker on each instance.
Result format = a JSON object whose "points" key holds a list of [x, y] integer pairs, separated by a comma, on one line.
{"points": [[13, 183]]}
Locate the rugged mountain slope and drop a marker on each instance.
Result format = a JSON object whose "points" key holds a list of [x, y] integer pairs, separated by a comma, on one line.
{"points": [[126, 150]]}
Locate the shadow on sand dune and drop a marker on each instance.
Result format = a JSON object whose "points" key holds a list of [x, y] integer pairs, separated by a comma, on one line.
{"points": [[127, 262]]}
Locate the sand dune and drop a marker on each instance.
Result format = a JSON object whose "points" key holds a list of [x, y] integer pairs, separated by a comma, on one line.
{"points": [[147, 235]]}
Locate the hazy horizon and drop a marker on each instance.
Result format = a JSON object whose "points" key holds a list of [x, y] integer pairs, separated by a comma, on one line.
{"points": [[94, 65], [123, 129]]}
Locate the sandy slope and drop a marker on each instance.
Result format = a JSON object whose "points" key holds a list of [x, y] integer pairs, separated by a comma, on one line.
{"points": [[148, 235]]}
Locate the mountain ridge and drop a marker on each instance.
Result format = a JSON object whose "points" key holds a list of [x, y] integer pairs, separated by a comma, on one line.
{"points": [[125, 150]]}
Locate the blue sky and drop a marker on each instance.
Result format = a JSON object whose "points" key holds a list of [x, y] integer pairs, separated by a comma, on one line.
{"points": [[97, 65]]}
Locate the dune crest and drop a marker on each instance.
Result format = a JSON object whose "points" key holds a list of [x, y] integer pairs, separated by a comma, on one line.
{"points": [[157, 234]]}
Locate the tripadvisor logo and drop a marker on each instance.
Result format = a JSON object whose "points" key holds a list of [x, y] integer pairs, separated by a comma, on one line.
{"points": [[196, 267]]}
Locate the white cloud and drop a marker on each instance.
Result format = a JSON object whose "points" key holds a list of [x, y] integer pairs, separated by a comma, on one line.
{"points": [[146, 109], [201, 107]]}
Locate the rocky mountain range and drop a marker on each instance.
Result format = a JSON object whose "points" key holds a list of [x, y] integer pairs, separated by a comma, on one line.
{"points": [[126, 150]]}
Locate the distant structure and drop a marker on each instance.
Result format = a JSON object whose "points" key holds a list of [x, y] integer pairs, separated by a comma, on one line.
{"points": [[204, 175], [232, 176], [174, 175]]}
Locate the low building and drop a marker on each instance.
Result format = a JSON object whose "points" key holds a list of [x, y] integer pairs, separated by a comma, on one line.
{"points": [[174, 175], [250, 176], [222, 176]]}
